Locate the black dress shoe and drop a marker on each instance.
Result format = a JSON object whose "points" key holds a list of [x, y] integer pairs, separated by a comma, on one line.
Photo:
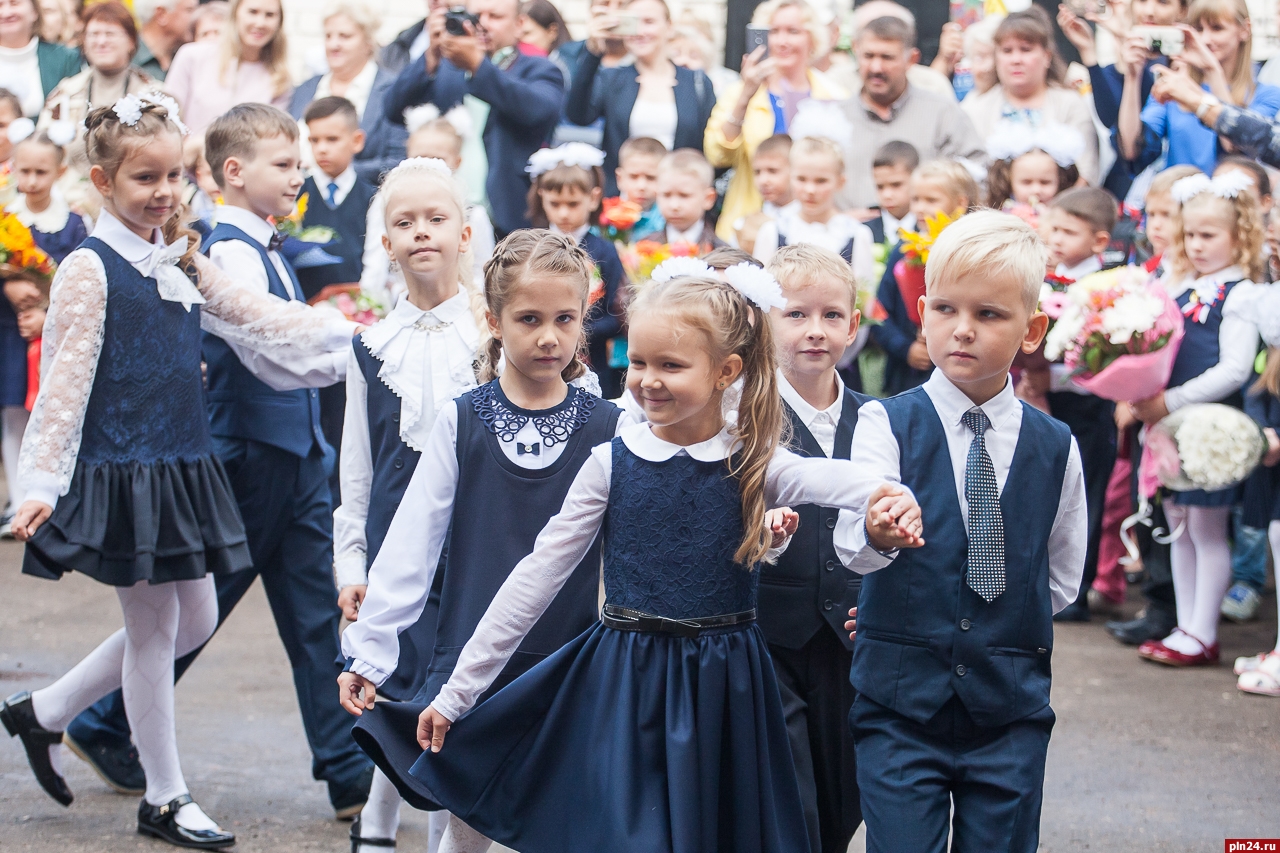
{"points": [[1150, 625], [20, 719], [357, 842], [1076, 611], [162, 822], [118, 766], [349, 799]]}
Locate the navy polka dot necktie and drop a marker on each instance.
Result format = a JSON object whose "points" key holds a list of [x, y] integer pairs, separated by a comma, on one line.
{"points": [[985, 573]]}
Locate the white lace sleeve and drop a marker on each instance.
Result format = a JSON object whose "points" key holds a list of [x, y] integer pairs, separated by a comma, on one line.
{"points": [[266, 323], [72, 342]]}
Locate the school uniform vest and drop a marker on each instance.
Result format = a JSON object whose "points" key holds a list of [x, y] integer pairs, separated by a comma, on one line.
{"points": [[147, 402], [393, 461], [498, 511], [923, 634], [810, 588], [348, 221], [241, 405], [1199, 349]]}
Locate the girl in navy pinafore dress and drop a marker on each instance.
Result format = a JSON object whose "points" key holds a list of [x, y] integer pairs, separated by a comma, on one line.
{"points": [[661, 729], [400, 373], [491, 473], [1215, 250], [121, 480]]}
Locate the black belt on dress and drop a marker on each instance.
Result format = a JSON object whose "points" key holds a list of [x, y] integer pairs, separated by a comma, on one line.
{"points": [[626, 619]]}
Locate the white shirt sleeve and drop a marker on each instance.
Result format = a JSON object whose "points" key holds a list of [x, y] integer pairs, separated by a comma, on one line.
{"points": [[482, 240], [531, 586], [376, 266], [766, 241], [1237, 348], [874, 451], [355, 474], [863, 261], [400, 578], [72, 343], [1069, 536]]}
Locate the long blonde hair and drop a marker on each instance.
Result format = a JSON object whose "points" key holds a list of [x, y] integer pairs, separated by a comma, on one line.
{"points": [[275, 54], [732, 325], [1239, 78], [521, 255]]}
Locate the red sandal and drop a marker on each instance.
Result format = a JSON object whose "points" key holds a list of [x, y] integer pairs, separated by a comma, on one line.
{"points": [[1157, 651]]}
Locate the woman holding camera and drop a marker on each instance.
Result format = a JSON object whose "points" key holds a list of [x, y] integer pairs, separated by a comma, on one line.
{"points": [[652, 97], [1217, 53]]}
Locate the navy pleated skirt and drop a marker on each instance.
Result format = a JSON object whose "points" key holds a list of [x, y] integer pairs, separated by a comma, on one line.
{"points": [[620, 741]]}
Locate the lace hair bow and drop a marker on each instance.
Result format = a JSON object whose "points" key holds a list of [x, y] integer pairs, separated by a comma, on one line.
{"points": [[429, 164], [1012, 139], [129, 108], [1227, 185], [569, 154]]}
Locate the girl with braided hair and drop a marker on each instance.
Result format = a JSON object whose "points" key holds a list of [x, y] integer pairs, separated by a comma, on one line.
{"points": [[495, 466], [121, 480]]}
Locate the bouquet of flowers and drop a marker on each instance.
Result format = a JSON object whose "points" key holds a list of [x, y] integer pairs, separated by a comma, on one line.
{"points": [[20, 257], [640, 259], [909, 270], [1206, 446], [358, 306], [1117, 330], [617, 217], [291, 225]]}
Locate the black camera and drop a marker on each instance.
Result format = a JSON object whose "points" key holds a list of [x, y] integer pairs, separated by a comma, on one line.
{"points": [[456, 19]]}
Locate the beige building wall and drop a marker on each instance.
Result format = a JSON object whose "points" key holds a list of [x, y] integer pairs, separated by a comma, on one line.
{"points": [[304, 24]]}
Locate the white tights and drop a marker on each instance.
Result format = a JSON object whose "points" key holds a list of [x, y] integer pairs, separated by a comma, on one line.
{"points": [[380, 817], [162, 622], [1273, 533], [460, 838], [1201, 562], [13, 423]]}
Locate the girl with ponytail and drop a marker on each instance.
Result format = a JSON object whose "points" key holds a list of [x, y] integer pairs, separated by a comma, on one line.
{"points": [[117, 463], [662, 726], [495, 466]]}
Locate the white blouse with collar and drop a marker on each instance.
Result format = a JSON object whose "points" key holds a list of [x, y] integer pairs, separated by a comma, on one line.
{"points": [[75, 326], [401, 576], [535, 581]]}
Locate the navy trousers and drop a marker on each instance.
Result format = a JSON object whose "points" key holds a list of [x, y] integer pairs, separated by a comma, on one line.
{"points": [[288, 517], [910, 774]]}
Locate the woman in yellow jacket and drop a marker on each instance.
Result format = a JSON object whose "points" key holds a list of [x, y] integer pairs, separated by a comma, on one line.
{"points": [[764, 103]]}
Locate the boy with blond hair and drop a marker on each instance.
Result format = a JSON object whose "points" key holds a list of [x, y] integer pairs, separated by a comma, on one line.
{"points": [[686, 194], [806, 594], [951, 665]]}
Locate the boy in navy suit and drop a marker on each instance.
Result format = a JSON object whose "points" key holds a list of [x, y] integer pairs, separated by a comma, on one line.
{"points": [[270, 442], [803, 598], [951, 663]]}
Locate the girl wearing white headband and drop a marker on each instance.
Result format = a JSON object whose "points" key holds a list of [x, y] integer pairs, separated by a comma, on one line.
{"points": [[1031, 165], [1216, 250]]}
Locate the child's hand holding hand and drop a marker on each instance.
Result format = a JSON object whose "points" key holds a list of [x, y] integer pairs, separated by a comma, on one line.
{"points": [[28, 518], [782, 523], [31, 323], [356, 693], [432, 726], [350, 599], [893, 519]]}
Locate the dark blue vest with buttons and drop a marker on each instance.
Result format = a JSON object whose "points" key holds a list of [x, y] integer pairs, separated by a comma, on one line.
{"points": [[498, 511], [348, 221], [923, 634], [393, 460], [147, 402], [241, 405], [809, 587], [1199, 349]]}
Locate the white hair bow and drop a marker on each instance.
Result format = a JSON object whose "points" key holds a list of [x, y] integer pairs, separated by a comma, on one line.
{"points": [[458, 118], [676, 267], [757, 285], [61, 133], [1227, 185], [1014, 138], [824, 120], [20, 129], [569, 154]]}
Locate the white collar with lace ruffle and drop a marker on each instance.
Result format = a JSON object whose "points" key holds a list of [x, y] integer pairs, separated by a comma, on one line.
{"points": [[51, 220], [425, 352]]}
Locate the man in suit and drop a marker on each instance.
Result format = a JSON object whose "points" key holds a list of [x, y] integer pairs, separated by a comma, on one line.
{"points": [[525, 95]]}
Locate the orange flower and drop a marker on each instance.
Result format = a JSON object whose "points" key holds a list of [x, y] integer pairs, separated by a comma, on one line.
{"points": [[619, 213]]}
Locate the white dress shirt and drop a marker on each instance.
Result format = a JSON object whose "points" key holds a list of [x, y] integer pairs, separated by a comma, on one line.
{"points": [[693, 235], [344, 183], [834, 234], [892, 223], [244, 265], [876, 453], [425, 359], [535, 581], [1086, 267], [820, 423], [1237, 339], [358, 90], [401, 576], [577, 234]]}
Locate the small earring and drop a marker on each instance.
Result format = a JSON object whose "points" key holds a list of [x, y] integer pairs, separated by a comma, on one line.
{"points": [[720, 385]]}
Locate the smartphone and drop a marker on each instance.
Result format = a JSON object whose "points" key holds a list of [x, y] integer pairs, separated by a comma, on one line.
{"points": [[628, 25], [1082, 8], [1165, 40], [757, 37]]}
